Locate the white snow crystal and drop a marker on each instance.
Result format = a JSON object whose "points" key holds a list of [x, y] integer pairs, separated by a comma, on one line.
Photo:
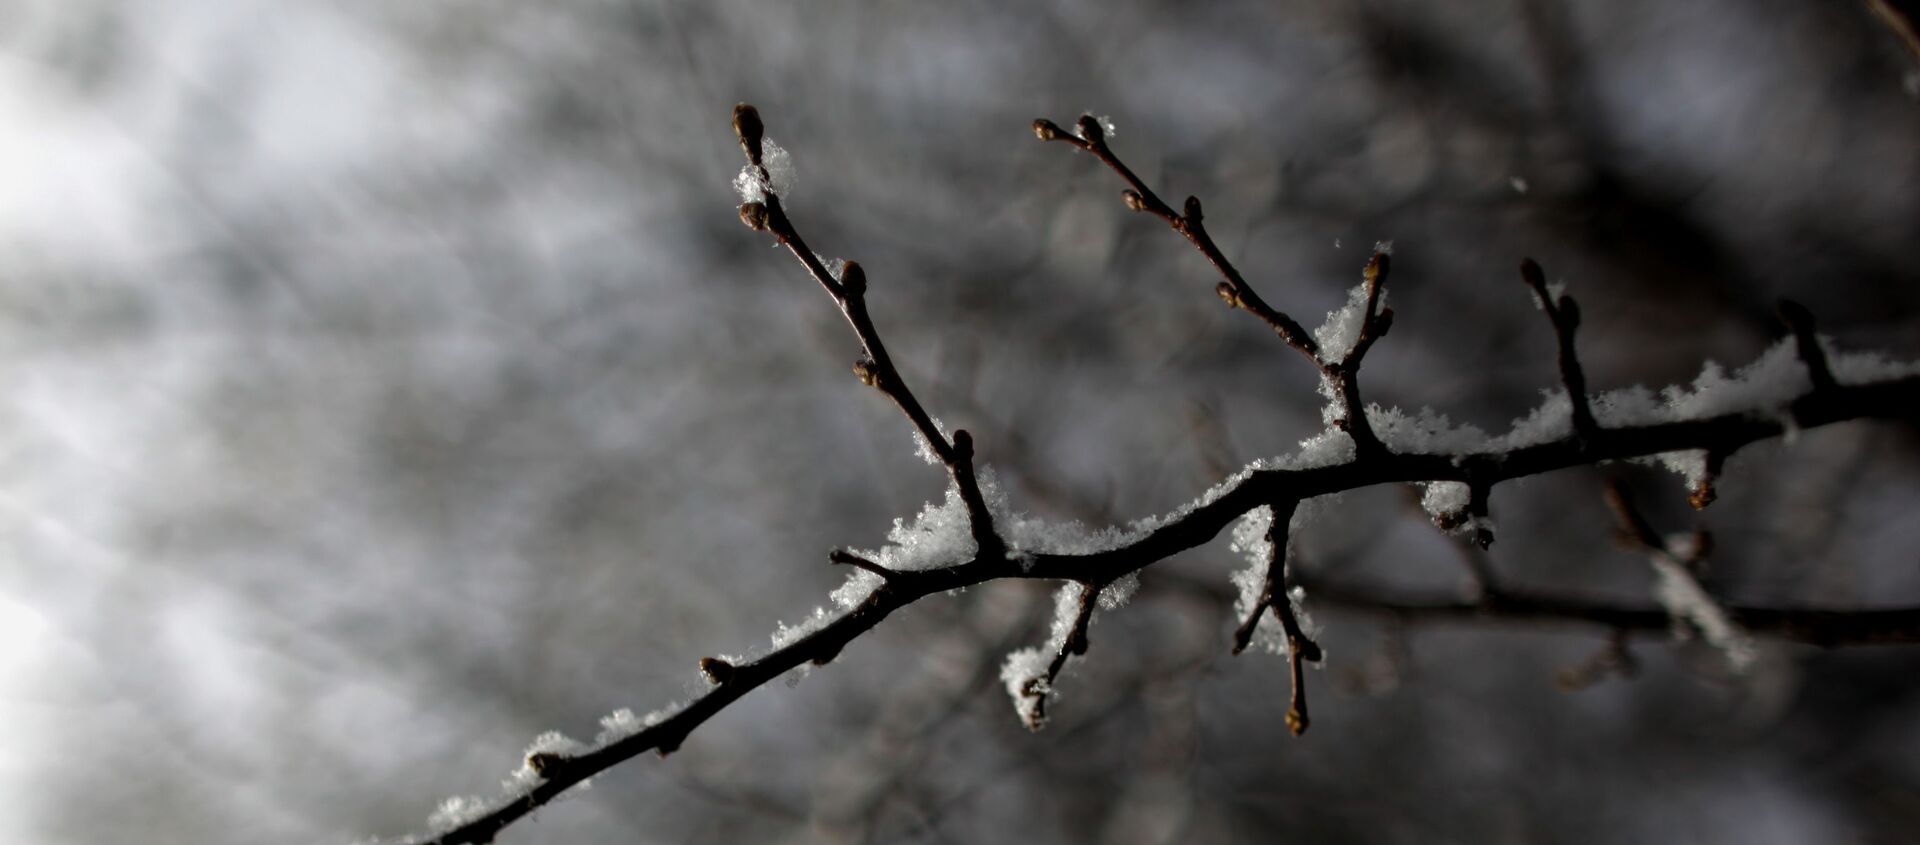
{"points": [[920, 445], [1342, 327], [1446, 499], [1426, 432], [1684, 598], [753, 185]]}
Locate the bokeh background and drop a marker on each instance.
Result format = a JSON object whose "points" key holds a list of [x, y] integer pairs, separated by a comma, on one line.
{"points": [[382, 384]]}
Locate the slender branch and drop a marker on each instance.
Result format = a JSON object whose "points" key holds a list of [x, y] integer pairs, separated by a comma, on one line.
{"points": [[1273, 596], [1565, 315], [1344, 374], [1823, 627], [1897, 398], [877, 370], [1073, 645]]}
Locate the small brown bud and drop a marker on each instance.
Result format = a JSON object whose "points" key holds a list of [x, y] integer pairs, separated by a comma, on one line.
{"points": [[1192, 210], [1297, 721], [1046, 130], [1090, 130], [545, 763], [1531, 273], [717, 671], [1227, 294], [1377, 267], [853, 279], [747, 125], [868, 372], [1133, 200], [962, 444], [754, 215]]}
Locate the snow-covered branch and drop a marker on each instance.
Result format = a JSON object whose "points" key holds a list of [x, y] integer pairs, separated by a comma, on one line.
{"points": [[976, 536]]}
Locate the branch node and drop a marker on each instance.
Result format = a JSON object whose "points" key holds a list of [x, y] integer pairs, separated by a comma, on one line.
{"points": [[1191, 211], [867, 371], [846, 558], [1227, 294], [962, 445], [1134, 201], [718, 671], [1047, 130]]}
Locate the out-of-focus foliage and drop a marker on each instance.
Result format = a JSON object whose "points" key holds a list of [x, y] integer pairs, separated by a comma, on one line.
{"points": [[386, 383]]}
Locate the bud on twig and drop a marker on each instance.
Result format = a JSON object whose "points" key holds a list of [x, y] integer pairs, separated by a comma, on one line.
{"points": [[868, 372], [717, 671], [853, 279], [747, 125], [1047, 130], [1133, 200], [1090, 130], [754, 215], [1227, 294]]}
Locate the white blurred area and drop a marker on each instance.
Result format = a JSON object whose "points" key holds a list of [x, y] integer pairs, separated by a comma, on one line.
{"points": [[382, 384]]}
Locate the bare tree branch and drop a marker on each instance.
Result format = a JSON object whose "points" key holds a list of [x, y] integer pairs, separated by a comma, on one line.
{"points": [[1372, 463]]}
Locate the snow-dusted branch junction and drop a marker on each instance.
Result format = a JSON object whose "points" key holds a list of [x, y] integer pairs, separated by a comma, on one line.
{"points": [[977, 535]]}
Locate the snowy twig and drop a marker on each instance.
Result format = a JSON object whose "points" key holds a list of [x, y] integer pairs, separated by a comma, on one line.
{"points": [[1869, 390], [1565, 315], [1679, 592], [849, 290], [1341, 373], [1273, 596]]}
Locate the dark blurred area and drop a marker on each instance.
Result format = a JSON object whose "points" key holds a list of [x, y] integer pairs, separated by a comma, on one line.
{"points": [[387, 383]]}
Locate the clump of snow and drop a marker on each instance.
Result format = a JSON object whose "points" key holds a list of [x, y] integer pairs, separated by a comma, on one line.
{"points": [[836, 267], [1425, 432], [458, 811], [1684, 598], [1551, 420], [775, 176], [1117, 594], [1025, 674], [1690, 465], [1250, 540], [920, 445], [785, 635], [1865, 367], [525, 778], [1341, 330], [1446, 500]]}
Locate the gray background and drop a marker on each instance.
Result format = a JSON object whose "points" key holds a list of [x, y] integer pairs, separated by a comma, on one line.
{"points": [[386, 383]]}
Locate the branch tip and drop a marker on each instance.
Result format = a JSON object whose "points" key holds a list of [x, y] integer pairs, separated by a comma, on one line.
{"points": [[1047, 130], [747, 125], [1134, 201]]}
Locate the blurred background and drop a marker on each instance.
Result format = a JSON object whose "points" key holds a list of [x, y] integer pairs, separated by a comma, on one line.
{"points": [[387, 383]]}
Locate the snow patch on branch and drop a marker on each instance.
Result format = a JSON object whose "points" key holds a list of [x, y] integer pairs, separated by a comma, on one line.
{"points": [[1341, 330], [775, 176], [1685, 600]]}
